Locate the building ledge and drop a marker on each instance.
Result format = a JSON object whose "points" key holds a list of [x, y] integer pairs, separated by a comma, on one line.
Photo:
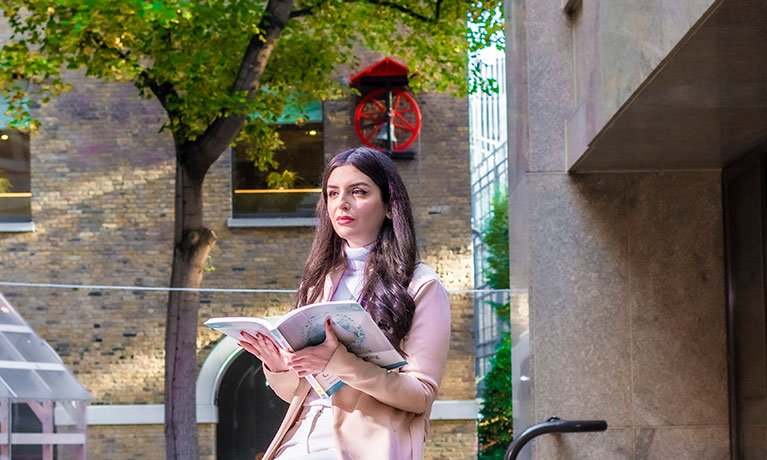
{"points": [[256, 222], [17, 227], [154, 414]]}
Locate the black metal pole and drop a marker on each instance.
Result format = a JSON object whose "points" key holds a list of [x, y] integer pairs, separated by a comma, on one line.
{"points": [[552, 425]]}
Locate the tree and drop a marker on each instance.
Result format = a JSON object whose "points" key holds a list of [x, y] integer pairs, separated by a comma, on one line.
{"points": [[495, 429], [496, 238], [212, 65]]}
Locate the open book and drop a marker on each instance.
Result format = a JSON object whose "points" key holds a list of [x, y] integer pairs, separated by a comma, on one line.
{"points": [[305, 326]]}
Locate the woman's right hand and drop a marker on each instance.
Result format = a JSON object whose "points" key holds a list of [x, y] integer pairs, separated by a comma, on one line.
{"points": [[265, 350]]}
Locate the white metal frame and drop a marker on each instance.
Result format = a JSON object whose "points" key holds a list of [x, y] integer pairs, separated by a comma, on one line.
{"points": [[48, 438]]}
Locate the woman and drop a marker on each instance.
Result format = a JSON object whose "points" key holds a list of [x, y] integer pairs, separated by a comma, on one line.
{"points": [[364, 249]]}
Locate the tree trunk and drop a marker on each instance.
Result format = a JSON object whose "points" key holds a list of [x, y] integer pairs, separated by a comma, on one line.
{"points": [[191, 246], [192, 242]]}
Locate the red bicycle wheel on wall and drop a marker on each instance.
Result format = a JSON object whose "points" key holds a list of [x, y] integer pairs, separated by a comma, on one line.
{"points": [[371, 119]]}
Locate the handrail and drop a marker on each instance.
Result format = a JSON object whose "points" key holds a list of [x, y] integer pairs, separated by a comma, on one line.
{"points": [[552, 425]]}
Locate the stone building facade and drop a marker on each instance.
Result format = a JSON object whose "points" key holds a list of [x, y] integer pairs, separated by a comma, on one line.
{"points": [[102, 206], [630, 127]]}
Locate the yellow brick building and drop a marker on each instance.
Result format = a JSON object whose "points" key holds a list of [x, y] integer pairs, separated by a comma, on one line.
{"points": [[101, 213]]}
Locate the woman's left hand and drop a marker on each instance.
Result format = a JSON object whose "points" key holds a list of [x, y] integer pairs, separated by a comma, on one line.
{"points": [[312, 360]]}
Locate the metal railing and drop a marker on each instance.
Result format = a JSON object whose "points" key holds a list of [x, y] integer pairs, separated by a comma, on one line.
{"points": [[552, 425]]}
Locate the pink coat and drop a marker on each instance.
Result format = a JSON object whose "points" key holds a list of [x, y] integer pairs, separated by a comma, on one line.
{"points": [[380, 414]]}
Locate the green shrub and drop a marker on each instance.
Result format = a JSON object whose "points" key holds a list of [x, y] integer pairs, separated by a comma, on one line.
{"points": [[497, 241], [495, 424]]}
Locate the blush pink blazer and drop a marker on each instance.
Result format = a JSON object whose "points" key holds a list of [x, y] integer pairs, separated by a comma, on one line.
{"points": [[380, 414]]}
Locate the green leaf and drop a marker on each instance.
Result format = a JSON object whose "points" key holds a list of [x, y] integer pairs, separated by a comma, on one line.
{"points": [[197, 48]]}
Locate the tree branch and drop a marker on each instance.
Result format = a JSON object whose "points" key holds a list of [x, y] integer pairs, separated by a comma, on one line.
{"points": [[161, 91], [406, 10], [308, 11], [208, 147]]}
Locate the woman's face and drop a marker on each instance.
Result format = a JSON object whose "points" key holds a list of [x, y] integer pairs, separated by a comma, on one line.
{"points": [[355, 206]]}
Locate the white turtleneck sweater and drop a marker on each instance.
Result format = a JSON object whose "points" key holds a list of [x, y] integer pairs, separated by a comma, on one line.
{"points": [[350, 285]]}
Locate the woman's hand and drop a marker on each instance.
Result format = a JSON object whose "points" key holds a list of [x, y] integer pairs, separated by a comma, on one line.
{"points": [[265, 350], [312, 360]]}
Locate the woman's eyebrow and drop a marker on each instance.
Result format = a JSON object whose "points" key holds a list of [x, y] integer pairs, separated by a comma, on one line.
{"points": [[356, 184]]}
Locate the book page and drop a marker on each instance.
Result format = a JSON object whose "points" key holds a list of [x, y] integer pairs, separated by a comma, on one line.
{"points": [[233, 325], [352, 325]]}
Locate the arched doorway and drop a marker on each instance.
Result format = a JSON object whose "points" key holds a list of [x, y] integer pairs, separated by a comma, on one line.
{"points": [[249, 412]]}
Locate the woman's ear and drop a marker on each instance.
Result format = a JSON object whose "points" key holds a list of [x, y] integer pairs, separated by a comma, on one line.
{"points": [[388, 211]]}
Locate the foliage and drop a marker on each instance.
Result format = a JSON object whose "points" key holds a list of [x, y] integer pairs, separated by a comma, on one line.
{"points": [[495, 427], [283, 180], [196, 48], [496, 238], [5, 184]]}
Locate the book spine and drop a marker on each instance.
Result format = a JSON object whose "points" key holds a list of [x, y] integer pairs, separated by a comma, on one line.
{"points": [[317, 387]]}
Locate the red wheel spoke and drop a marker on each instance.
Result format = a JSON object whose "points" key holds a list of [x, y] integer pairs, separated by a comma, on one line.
{"points": [[403, 119], [373, 111], [376, 119], [396, 101], [378, 127], [378, 103], [406, 128]]}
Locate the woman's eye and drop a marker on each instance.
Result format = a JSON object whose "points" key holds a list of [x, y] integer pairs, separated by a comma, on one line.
{"points": [[332, 193], [358, 191]]}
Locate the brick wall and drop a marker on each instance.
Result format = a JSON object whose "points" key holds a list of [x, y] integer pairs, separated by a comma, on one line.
{"points": [[102, 184]]}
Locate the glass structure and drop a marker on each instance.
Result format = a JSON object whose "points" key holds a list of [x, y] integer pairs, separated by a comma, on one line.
{"points": [[489, 176], [42, 405]]}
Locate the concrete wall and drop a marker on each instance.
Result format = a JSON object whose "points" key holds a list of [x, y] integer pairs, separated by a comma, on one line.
{"points": [[622, 274], [102, 185], [615, 47]]}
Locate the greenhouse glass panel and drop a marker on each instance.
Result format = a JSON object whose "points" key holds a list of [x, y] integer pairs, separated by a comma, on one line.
{"points": [[67, 387], [32, 347], [8, 315], [7, 351], [26, 384], [29, 367], [4, 391]]}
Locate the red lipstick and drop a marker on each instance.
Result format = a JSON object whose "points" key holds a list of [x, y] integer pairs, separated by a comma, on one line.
{"points": [[343, 220]]}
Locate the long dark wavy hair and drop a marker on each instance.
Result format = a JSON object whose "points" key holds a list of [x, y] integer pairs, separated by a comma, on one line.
{"points": [[392, 260]]}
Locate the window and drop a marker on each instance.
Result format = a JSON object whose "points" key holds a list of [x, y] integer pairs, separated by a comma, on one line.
{"points": [[274, 193], [15, 191]]}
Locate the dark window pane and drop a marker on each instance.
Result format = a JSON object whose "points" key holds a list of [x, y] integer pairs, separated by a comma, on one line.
{"points": [[15, 188], [302, 155]]}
